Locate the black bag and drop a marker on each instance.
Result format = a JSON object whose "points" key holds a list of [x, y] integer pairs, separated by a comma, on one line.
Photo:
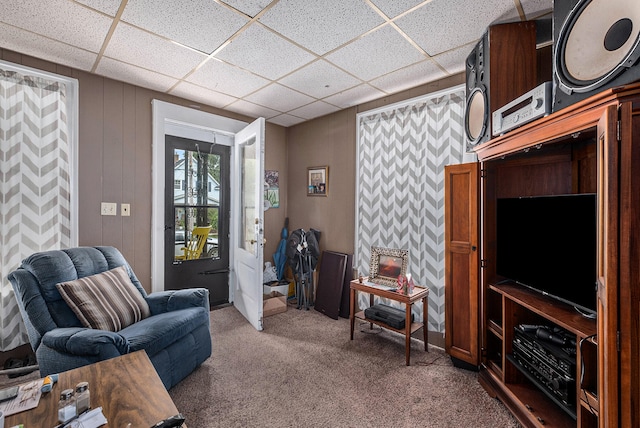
{"points": [[393, 317]]}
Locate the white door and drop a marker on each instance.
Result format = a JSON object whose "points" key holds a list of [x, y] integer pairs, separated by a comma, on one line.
{"points": [[248, 220]]}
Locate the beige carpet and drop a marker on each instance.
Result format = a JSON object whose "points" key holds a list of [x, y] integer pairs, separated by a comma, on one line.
{"points": [[303, 371]]}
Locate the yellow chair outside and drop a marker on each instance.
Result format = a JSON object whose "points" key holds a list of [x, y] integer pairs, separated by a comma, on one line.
{"points": [[193, 249]]}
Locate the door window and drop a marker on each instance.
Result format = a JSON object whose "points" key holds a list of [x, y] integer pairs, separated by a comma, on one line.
{"points": [[196, 204]]}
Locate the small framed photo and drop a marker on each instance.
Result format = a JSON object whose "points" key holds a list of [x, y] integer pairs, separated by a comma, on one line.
{"points": [[318, 181], [387, 264]]}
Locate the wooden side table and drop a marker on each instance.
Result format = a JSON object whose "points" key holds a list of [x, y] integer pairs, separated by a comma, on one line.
{"points": [[419, 293]]}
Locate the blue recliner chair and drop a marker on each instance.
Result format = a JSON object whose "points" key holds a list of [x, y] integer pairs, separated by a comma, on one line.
{"points": [[176, 335]]}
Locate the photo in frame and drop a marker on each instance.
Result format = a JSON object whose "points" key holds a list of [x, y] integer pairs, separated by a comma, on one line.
{"points": [[318, 181], [387, 264]]}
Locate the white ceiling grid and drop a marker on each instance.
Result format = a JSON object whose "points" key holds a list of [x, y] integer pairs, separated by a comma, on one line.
{"points": [[286, 60]]}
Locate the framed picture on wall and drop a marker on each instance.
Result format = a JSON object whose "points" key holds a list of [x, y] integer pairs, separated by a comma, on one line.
{"points": [[318, 181]]}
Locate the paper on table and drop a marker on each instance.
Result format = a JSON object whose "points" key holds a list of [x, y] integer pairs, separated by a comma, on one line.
{"points": [[91, 419], [28, 398]]}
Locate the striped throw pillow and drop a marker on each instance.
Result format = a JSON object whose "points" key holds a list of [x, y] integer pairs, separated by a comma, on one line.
{"points": [[105, 301]]}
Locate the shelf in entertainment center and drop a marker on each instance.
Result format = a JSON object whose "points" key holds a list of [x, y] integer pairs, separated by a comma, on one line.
{"points": [[558, 312], [495, 328]]}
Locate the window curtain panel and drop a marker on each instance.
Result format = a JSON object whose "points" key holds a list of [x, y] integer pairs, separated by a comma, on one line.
{"points": [[34, 183], [401, 155]]}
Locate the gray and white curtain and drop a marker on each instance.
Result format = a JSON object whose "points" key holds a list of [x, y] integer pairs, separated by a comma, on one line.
{"points": [[35, 185], [402, 152]]}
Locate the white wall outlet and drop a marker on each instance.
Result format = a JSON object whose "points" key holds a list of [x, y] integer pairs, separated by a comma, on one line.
{"points": [[108, 208], [125, 210]]}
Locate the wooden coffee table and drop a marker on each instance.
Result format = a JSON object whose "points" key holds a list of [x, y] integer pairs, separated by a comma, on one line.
{"points": [[127, 388]]}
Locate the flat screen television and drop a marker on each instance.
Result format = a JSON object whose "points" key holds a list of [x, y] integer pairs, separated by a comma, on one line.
{"points": [[548, 244]]}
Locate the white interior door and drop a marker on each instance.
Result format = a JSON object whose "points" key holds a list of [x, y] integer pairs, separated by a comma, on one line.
{"points": [[248, 220]]}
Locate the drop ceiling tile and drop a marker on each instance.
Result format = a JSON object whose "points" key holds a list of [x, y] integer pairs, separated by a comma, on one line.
{"points": [[22, 41], [52, 19], [201, 24], [354, 96], [203, 95], [134, 46], [249, 7], [251, 109], [409, 77], [453, 61], [135, 75], [286, 120], [265, 53], [321, 26], [536, 8], [222, 77], [319, 79], [315, 109], [279, 98], [393, 8], [109, 7], [362, 58], [441, 25]]}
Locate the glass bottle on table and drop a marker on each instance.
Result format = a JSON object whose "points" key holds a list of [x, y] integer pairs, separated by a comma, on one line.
{"points": [[66, 406]]}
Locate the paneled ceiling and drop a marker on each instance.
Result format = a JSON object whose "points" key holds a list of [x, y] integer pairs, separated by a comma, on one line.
{"points": [[286, 60]]}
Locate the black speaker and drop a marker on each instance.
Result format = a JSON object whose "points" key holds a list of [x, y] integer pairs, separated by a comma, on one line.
{"points": [[500, 68], [596, 47]]}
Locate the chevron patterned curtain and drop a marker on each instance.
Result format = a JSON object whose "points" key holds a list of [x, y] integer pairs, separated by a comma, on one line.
{"points": [[34, 183], [401, 157]]}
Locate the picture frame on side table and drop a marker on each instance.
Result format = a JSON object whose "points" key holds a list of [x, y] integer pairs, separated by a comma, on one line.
{"points": [[387, 264], [318, 181]]}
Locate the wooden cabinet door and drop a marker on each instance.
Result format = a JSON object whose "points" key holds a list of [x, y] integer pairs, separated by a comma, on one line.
{"points": [[629, 266], [462, 262], [608, 153]]}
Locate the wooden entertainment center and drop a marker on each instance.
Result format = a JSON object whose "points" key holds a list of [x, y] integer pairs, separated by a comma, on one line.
{"points": [[592, 146]]}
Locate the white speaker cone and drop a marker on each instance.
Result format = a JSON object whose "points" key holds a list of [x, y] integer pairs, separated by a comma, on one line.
{"points": [[596, 40], [476, 115]]}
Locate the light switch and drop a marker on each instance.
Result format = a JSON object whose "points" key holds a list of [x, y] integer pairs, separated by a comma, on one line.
{"points": [[125, 210], [108, 208]]}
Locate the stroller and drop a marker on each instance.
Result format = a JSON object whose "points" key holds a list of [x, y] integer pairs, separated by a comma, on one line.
{"points": [[302, 254]]}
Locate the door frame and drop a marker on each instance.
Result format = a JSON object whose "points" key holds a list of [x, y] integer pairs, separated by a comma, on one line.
{"points": [[185, 122]]}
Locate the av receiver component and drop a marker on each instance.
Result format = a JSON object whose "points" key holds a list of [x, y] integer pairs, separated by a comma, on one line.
{"points": [[534, 104], [552, 365]]}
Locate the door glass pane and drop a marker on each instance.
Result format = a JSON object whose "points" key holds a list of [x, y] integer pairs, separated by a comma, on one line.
{"points": [[248, 195], [196, 204]]}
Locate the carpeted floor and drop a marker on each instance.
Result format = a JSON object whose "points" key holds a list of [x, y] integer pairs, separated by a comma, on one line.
{"points": [[303, 371]]}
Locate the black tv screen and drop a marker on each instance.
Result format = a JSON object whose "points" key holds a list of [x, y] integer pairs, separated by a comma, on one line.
{"points": [[548, 243]]}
